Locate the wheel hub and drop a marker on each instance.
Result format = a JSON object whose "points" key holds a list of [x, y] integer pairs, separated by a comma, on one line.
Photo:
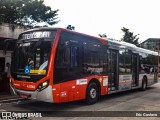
{"points": [[93, 93]]}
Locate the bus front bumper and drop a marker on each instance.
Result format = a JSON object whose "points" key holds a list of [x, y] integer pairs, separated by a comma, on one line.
{"points": [[44, 95]]}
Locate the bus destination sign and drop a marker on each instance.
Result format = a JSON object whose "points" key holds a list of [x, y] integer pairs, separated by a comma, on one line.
{"points": [[37, 34]]}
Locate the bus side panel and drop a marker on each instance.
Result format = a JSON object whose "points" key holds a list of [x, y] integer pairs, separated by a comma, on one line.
{"points": [[104, 85], [76, 89], [69, 91], [140, 79], [73, 90], [150, 78], [125, 82], [55, 93]]}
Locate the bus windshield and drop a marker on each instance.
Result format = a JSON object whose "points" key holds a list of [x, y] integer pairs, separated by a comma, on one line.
{"points": [[31, 56]]}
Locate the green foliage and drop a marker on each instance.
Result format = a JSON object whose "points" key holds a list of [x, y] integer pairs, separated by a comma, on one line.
{"points": [[129, 37], [26, 12]]}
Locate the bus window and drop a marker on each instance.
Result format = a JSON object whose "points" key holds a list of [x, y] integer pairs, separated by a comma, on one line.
{"points": [[67, 60], [74, 56], [77, 56], [32, 53], [91, 58], [128, 61], [121, 60], [104, 59], [125, 61]]}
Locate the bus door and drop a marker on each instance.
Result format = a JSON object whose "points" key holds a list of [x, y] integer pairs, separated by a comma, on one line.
{"points": [[113, 70], [135, 70]]}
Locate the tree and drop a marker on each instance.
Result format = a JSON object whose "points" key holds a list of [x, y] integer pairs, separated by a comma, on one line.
{"points": [[27, 12], [129, 37]]}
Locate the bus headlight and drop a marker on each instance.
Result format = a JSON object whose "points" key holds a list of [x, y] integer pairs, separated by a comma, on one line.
{"points": [[10, 80], [43, 85]]}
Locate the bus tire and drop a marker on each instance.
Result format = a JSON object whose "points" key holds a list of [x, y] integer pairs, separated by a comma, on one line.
{"points": [[92, 93], [144, 84]]}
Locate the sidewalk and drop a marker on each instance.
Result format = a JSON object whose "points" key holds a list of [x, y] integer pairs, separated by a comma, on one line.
{"points": [[7, 95]]}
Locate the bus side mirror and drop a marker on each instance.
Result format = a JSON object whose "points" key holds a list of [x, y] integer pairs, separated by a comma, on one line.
{"points": [[6, 43]]}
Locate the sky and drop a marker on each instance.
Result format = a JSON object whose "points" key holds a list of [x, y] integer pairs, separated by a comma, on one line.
{"points": [[95, 17]]}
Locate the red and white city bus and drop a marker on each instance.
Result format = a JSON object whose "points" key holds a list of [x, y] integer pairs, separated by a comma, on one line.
{"points": [[58, 65]]}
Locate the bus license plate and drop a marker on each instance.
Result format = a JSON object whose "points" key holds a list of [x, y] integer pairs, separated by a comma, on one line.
{"points": [[24, 96]]}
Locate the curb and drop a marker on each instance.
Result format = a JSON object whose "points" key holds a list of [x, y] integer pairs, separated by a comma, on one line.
{"points": [[4, 98], [10, 100]]}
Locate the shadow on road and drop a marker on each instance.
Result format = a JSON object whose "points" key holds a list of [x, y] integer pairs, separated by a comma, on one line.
{"points": [[79, 105]]}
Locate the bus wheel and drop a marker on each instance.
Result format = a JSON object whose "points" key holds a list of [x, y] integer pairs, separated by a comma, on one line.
{"points": [[144, 84], [92, 93]]}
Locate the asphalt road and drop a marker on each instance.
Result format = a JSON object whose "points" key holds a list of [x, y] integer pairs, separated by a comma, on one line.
{"points": [[140, 103]]}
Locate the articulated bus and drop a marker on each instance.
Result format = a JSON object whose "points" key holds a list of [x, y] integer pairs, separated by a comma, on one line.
{"points": [[58, 65]]}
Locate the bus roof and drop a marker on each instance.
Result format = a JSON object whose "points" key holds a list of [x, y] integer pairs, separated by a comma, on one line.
{"points": [[102, 40], [39, 29], [134, 48], [118, 44]]}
